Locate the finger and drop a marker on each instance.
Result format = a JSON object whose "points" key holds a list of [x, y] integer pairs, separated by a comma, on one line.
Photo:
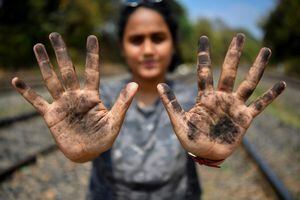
{"points": [[30, 95], [124, 100], [254, 75], [262, 102], [205, 78], [52, 82], [65, 64], [92, 64], [169, 100], [231, 62]]}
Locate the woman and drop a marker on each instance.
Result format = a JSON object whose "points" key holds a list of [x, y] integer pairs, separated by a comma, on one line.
{"points": [[147, 161]]}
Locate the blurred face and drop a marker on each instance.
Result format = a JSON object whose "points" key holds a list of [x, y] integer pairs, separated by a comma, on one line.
{"points": [[147, 44]]}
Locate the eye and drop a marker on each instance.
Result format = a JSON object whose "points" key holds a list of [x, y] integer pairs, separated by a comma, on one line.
{"points": [[136, 39], [158, 38]]}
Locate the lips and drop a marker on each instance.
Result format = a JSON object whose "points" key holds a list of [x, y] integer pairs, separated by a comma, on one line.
{"points": [[149, 64]]}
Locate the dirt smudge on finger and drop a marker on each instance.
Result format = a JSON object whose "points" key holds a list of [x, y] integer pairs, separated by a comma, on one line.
{"points": [[240, 39], [171, 97], [21, 85], [278, 87], [203, 44], [202, 84], [175, 105], [266, 55], [246, 93], [227, 83], [203, 60]]}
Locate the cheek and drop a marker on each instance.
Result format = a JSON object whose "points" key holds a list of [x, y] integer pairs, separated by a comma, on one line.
{"points": [[131, 54], [166, 52]]}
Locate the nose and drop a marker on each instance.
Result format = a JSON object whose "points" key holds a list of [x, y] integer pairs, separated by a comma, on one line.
{"points": [[148, 47]]}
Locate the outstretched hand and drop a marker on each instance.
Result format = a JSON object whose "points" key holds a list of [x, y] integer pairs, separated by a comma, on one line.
{"points": [[216, 124], [79, 122]]}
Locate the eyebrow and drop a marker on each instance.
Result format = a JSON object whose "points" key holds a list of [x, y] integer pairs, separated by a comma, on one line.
{"points": [[140, 34]]}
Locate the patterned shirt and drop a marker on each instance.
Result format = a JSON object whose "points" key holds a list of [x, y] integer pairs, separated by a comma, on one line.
{"points": [[147, 161]]}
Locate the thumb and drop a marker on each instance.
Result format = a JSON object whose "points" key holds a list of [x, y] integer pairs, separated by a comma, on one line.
{"points": [[169, 100], [124, 100]]}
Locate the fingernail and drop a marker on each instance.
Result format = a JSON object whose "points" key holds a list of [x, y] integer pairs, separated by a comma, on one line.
{"points": [[56, 40], [132, 86], [266, 54], [279, 87], [54, 35], [39, 51], [19, 83], [240, 38], [92, 43], [203, 44]]}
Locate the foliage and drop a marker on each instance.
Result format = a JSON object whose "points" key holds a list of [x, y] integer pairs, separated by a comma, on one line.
{"points": [[220, 36], [282, 34], [24, 23]]}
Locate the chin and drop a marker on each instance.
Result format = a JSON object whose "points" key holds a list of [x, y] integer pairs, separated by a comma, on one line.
{"points": [[151, 74]]}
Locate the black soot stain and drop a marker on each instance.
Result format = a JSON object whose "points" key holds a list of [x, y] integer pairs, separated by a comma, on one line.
{"points": [[266, 55], [92, 43], [20, 84], [247, 93], [40, 51], [56, 40], [167, 91], [240, 38], [192, 131], [171, 97], [75, 117], [82, 122], [258, 105], [267, 97], [203, 59], [278, 87], [225, 131], [176, 106], [202, 84], [227, 82], [203, 44]]}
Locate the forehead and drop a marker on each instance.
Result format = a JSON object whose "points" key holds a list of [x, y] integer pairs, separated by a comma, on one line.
{"points": [[144, 21]]}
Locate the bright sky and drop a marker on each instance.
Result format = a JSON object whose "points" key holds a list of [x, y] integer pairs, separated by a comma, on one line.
{"points": [[235, 13]]}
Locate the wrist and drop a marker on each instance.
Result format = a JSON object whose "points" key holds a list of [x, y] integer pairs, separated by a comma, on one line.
{"points": [[205, 161]]}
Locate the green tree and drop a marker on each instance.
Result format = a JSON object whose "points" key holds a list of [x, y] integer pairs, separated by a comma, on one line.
{"points": [[220, 35], [24, 23], [20, 27], [282, 34]]}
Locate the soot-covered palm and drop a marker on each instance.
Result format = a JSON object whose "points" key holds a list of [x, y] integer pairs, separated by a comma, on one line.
{"points": [[80, 124], [214, 127]]}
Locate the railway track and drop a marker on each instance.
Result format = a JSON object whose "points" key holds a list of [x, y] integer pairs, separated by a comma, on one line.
{"points": [[39, 143], [31, 158]]}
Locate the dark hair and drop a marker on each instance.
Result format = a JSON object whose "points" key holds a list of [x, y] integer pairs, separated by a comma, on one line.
{"points": [[165, 9]]}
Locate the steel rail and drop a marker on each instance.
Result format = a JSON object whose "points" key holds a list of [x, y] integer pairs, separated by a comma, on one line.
{"points": [[4, 174], [279, 188], [10, 120]]}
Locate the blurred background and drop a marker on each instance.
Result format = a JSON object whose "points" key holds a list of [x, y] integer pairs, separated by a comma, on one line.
{"points": [[32, 168]]}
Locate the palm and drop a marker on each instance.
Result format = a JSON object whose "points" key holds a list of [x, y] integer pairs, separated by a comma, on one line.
{"points": [[217, 122], [80, 124], [214, 127]]}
